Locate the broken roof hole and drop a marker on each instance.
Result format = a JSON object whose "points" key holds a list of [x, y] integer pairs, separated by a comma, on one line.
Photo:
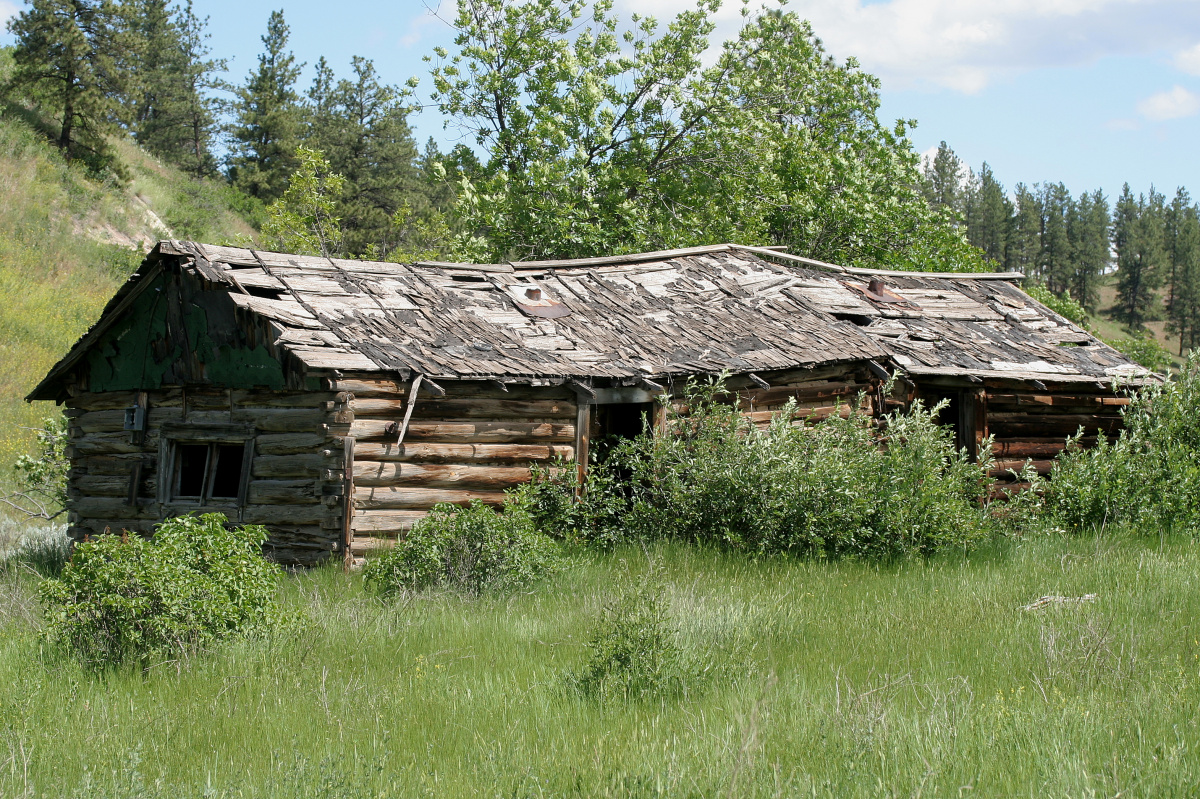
{"points": [[853, 318]]}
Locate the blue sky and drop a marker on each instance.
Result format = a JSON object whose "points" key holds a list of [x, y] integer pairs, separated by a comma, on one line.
{"points": [[1089, 92]]}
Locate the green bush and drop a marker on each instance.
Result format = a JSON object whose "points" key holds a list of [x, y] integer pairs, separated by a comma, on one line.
{"points": [[633, 652], [194, 583], [1143, 348], [829, 489], [471, 549], [1149, 476]]}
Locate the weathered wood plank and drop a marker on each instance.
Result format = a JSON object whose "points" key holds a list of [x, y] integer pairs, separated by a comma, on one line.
{"points": [[289, 443], [1057, 399], [419, 498], [386, 521], [455, 475], [369, 451], [307, 465], [110, 444], [466, 430], [465, 408], [282, 492]]}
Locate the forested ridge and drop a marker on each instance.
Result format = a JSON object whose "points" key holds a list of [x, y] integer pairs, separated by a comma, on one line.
{"points": [[583, 133]]}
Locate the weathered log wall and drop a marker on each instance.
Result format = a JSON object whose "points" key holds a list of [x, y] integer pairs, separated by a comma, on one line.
{"points": [[473, 443], [1033, 423], [295, 486]]}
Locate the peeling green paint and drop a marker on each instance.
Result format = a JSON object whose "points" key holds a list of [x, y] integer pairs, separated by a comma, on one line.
{"points": [[141, 351]]}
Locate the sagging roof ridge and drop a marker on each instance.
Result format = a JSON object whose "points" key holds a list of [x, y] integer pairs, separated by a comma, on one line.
{"points": [[776, 252]]}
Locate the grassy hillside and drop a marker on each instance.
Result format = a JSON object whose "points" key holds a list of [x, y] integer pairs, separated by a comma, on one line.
{"points": [[1113, 330], [66, 243], [920, 678]]}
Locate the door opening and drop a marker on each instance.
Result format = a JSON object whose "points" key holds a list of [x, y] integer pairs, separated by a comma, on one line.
{"points": [[951, 415], [620, 422]]}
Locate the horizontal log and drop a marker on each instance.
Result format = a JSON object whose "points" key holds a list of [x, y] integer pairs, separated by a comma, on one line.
{"points": [[116, 464], [361, 387], [113, 400], [803, 393], [465, 408], [364, 545], [110, 444], [837, 372], [439, 475], [89, 528], [1058, 419], [466, 430], [1057, 399], [112, 421], [371, 451], [305, 400], [307, 465], [813, 414], [1034, 448], [289, 514], [1001, 468], [288, 443], [270, 420], [385, 521], [99, 485], [420, 498], [282, 492]]}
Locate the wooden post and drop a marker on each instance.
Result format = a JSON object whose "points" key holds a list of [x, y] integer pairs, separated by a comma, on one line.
{"points": [[348, 501], [583, 436], [981, 423]]}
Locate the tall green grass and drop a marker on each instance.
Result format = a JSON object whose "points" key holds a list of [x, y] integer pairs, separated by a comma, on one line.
{"points": [[920, 677]]}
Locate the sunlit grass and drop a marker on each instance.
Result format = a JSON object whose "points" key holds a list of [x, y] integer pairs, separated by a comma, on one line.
{"points": [[853, 680]]}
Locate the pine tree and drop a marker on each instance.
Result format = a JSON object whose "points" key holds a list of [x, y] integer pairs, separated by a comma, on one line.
{"points": [[67, 58], [174, 112], [1088, 232], [1025, 240], [989, 216], [944, 179], [1054, 252], [1183, 248], [1138, 241], [361, 125], [267, 122]]}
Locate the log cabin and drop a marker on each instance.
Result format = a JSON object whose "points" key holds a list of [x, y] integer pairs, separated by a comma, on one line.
{"points": [[336, 401]]}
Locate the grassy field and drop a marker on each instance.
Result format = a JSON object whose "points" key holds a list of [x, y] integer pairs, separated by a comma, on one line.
{"points": [[923, 678]]}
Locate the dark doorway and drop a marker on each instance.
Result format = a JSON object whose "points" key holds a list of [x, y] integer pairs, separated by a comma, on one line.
{"points": [[619, 422], [951, 415]]}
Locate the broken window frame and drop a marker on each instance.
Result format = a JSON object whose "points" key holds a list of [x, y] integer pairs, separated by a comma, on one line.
{"points": [[213, 437]]}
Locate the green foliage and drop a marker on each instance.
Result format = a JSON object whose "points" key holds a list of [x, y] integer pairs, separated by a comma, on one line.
{"points": [[821, 490], [634, 652], [68, 61], [196, 582], [170, 84], [267, 119], [42, 479], [1143, 348], [1138, 240], [1062, 304], [604, 136], [472, 549], [1149, 476], [303, 219]]}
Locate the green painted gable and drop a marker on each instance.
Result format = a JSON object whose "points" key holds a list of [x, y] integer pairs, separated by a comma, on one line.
{"points": [[175, 333]]}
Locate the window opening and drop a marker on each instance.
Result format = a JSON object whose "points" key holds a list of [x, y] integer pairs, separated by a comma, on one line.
{"points": [[227, 470], [950, 416], [206, 472], [190, 468]]}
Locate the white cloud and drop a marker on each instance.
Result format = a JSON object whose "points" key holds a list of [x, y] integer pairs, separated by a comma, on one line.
{"points": [[1189, 60], [1174, 104], [7, 11], [964, 45]]}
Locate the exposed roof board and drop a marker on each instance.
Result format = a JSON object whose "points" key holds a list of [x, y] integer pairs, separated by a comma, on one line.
{"points": [[696, 311]]}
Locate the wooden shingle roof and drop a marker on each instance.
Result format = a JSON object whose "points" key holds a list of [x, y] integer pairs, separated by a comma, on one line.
{"points": [[697, 311]]}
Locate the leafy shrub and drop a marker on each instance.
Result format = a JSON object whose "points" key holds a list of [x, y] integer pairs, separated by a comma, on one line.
{"points": [[1143, 348], [633, 652], [1149, 476], [1062, 304], [826, 490], [471, 549], [42, 479], [194, 583]]}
